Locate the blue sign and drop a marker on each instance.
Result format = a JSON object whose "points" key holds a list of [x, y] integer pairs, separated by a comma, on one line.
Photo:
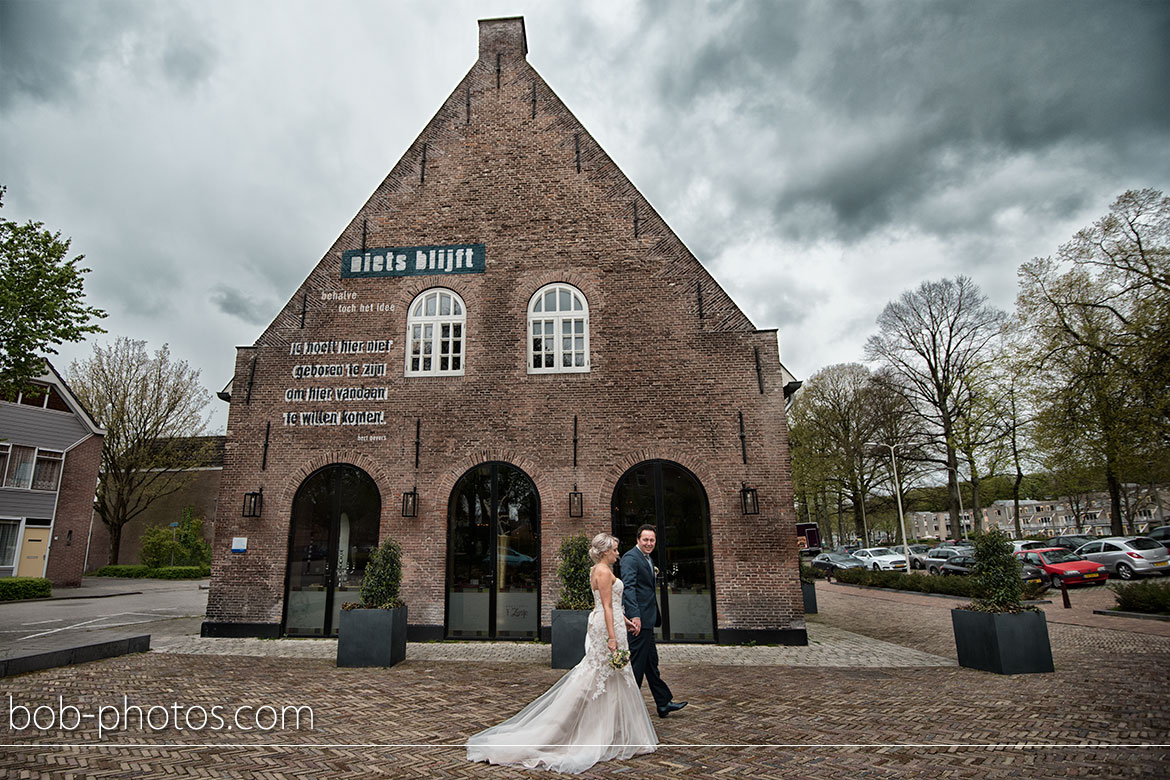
{"points": [[414, 261]]}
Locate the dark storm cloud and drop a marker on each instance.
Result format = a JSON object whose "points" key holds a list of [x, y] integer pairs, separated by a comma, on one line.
{"points": [[864, 111], [231, 301], [50, 50]]}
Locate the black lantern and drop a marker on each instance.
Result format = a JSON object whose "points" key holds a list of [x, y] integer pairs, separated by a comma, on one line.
{"points": [[410, 503], [253, 503], [576, 503], [751, 502]]}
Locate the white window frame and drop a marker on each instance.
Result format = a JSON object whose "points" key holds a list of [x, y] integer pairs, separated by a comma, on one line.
{"points": [[38, 454], [538, 316], [430, 333]]}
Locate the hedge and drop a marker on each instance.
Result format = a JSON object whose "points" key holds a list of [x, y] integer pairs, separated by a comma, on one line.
{"points": [[896, 580], [16, 588], [1149, 597], [139, 571]]}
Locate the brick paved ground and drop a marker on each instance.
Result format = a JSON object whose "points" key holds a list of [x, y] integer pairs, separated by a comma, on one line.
{"points": [[1109, 688]]}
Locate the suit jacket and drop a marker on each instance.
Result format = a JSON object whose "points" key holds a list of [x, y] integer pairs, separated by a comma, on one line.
{"points": [[640, 589]]}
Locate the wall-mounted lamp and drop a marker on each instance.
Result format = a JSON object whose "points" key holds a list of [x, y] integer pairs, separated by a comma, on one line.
{"points": [[576, 503], [253, 503], [751, 502], [410, 503]]}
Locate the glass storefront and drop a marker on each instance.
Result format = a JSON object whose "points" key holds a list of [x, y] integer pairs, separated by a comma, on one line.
{"points": [[493, 555], [670, 498], [335, 519]]}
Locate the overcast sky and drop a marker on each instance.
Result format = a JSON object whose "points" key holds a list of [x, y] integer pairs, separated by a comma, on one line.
{"points": [[818, 156]]}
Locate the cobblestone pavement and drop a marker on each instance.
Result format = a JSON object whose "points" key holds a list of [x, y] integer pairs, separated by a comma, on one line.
{"points": [[764, 721], [828, 646]]}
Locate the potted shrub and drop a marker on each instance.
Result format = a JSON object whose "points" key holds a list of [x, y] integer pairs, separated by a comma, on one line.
{"points": [[570, 616], [808, 589], [996, 632], [372, 631]]}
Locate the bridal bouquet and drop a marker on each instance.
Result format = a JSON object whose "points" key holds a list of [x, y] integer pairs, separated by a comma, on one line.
{"points": [[619, 659]]}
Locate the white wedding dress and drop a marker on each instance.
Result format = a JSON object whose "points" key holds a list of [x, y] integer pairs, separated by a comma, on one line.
{"points": [[594, 713]]}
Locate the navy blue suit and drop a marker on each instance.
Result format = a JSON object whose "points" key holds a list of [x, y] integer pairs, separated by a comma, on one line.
{"points": [[640, 600]]}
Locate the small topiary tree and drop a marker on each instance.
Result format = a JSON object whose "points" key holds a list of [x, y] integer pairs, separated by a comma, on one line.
{"points": [[996, 574], [573, 572], [382, 579]]}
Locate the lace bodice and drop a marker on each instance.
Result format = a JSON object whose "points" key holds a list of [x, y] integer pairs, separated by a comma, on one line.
{"points": [[593, 713], [597, 653]]}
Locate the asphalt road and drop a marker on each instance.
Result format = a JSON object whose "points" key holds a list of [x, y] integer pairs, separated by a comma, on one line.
{"points": [[159, 608]]}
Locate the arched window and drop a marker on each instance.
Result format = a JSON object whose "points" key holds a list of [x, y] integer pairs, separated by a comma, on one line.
{"points": [[435, 334], [558, 329]]}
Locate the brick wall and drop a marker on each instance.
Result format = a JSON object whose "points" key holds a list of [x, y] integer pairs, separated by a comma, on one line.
{"points": [[664, 382], [71, 524]]}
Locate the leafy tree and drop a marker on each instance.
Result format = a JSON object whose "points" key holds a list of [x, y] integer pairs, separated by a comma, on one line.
{"points": [[382, 580], [42, 303], [573, 573], [1098, 315], [151, 407], [935, 339], [181, 546]]}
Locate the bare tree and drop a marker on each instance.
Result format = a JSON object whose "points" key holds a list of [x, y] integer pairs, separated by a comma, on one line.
{"points": [[935, 338], [150, 406]]}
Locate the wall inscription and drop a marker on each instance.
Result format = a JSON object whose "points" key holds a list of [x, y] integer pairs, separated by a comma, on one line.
{"points": [[414, 261]]}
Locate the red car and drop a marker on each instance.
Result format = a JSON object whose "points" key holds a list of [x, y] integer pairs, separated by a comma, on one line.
{"points": [[1064, 565]]}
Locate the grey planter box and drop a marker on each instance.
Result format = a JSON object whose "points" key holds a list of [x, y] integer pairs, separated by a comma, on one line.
{"points": [[568, 637], [1002, 642], [371, 637], [809, 590]]}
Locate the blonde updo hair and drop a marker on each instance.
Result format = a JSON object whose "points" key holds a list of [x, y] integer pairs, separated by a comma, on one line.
{"points": [[602, 543]]}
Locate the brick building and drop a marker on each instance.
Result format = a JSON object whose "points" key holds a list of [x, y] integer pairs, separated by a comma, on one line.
{"points": [[198, 492], [50, 453], [506, 345]]}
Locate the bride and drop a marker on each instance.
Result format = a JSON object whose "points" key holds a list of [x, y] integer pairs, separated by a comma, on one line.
{"points": [[595, 712]]}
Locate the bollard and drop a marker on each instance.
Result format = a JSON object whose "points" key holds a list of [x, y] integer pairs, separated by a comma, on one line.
{"points": [[1064, 594]]}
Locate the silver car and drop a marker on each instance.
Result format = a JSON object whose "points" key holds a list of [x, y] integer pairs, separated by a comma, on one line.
{"points": [[1128, 556]]}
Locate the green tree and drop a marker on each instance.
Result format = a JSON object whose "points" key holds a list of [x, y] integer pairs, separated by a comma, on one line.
{"points": [[151, 407], [42, 303], [1098, 315], [180, 546]]}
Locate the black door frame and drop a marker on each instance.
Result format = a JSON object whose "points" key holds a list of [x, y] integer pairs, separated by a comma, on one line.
{"points": [[656, 465], [331, 552], [493, 550]]}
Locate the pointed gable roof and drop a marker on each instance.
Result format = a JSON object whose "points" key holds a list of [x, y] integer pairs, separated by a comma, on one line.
{"points": [[501, 148]]}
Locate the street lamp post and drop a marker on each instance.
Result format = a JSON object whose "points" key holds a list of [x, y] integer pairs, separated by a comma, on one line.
{"points": [[898, 495], [959, 490]]}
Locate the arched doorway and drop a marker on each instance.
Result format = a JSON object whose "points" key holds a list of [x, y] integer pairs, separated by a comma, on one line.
{"points": [[335, 519], [670, 498], [493, 555]]}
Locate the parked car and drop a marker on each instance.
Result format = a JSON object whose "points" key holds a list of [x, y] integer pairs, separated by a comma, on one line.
{"points": [[1070, 541], [1028, 544], [1128, 556], [1161, 535], [1065, 566], [917, 554], [832, 561], [846, 549], [934, 559], [965, 563], [881, 558]]}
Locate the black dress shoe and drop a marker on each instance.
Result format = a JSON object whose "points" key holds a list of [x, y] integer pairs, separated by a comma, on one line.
{"points": [[673, 706]]}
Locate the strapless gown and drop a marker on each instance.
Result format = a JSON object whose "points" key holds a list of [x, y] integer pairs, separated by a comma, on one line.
{"points": [[594, 713]]}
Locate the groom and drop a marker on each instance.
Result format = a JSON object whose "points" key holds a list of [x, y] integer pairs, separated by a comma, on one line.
{"points": [[640, 603]]}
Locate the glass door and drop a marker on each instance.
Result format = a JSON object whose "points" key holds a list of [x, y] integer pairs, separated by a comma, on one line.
{"points": [[493, 558], [335, 522], [670, 498]]}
